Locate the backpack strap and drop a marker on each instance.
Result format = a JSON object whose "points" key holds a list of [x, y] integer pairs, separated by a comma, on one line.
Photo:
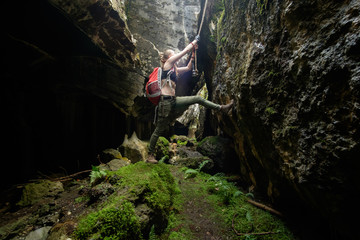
{"points": [[159, 77], [155, 116], [168, 76]]}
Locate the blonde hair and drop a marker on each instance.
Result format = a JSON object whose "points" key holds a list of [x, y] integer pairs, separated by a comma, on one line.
{"points": [[164, 56]]}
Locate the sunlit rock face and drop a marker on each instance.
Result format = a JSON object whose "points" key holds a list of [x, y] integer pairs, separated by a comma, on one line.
{"points": [[158, 25], [293, 69]]}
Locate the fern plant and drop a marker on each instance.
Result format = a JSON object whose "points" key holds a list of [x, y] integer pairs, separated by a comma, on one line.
{"points": [[202, 165], [190, 173], [96, 174], [226, 190]]}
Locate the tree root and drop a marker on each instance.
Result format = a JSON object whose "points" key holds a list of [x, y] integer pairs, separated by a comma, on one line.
{"points": [[69, 177], [243, 234], [262, 206]]}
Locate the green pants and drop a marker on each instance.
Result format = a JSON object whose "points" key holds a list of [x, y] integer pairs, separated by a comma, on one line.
{"points": [[169, 110]]}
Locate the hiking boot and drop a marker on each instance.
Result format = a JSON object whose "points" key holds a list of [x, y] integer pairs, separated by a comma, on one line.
{"points": [[226, 108], [151, 159]]}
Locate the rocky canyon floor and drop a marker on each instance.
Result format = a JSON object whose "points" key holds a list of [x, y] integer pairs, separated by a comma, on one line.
{"points": [[202, 206]]}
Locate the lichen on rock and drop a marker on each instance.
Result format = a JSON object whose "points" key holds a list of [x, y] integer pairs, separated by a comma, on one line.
{"points": [[35, 192]]}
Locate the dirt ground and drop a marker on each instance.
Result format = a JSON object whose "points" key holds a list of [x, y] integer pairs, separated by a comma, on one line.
{"points": [[201, 216]]}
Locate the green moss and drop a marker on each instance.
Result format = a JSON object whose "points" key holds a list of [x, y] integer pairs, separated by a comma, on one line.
{"points": [[221, 18], [177, 228], [145, 183], [15, 227], [270, 110], [273, 74], [246, 217], [227, 204], [182, 143], [217, 19], [82, 199], [218, 6], [211, 139], [218, 11], [262, 5], [182, 140], [155, 186], [155, 182], [204, 93], [219, 30], [214, 141], [33, 192], [164, 141], [226, 191], [112, 222], [162, 148]]}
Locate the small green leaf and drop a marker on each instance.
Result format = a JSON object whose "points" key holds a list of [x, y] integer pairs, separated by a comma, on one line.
{"points": [[190, 173], [250, 195], [202, 165], [248, 216], [238, 193]]}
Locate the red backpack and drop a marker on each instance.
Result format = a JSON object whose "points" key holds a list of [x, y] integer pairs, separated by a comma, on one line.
{"points": [[153, 86]]}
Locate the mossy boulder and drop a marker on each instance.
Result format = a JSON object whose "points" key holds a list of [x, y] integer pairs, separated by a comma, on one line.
{"points": [[109, 154], [116, 221], [34, 192], [143, 197], [162, 150], [62, 231], [220, 150], [182, 140], [114, 164], [14, 227], [192, 159]]}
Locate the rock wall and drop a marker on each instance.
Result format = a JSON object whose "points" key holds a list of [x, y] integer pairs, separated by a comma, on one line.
{"points": [[69, 80], [74, 80], [104, 22], [158, 25], [293, 69]]}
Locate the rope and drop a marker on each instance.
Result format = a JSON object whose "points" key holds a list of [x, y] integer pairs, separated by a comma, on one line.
{"points": [[195, 71], [203, 16]]}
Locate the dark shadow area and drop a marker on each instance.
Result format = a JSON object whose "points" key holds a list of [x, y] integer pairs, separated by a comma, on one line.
{"points": [[49, 127]]}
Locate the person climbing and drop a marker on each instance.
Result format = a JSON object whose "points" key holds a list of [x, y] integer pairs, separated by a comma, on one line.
{"points": [[170, 106]]}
